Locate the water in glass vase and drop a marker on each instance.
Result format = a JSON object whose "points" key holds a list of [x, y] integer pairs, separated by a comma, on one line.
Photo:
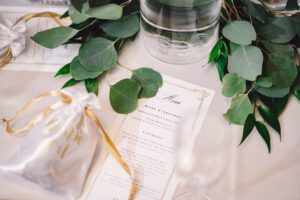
{"points": [[180, 31]]}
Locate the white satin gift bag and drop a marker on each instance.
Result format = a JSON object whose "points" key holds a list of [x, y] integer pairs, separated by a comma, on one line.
{"points": [[57, 153]]}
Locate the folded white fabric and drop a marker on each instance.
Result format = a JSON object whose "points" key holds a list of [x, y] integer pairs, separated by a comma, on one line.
{"points": [[57, 153], [12, 36]]}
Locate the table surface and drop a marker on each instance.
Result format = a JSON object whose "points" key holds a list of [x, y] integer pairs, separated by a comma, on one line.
{"points": [[248, 172]]}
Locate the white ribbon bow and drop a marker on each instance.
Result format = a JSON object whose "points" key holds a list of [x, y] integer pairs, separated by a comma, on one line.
{"points": [[12, 37]]}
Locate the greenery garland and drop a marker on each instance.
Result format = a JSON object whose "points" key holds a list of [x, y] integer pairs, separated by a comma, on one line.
{"points": [[102, 28], [261, 45], [262, 49]]}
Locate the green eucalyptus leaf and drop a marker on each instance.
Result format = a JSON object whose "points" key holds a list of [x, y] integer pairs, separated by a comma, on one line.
{"points": [[233, 46], [266, 100], [292, 5], [78, 4], [92, 85], [233, 84], [216, 51], [277, 30], [125, 27], [279, 104], [248, 127], [79, 72], [255, 10], [222, 66], [282, 70], [98, 54], [64, 70], [109, 11], [76, 16], [150, 81], [54, 37], [70, 83], [222, 61], [279, 48], [247, 61], [124, 96], [239, 32], [297, 94], [95, 3], [64, 15], [270, 117], [264, 82], [264, 133], [240, 108], [297, 24], [273, 91]]}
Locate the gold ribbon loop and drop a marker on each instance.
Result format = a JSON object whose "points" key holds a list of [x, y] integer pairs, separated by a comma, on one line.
{"points": [[55, 16], [65, 99], [5, 58], [52, 15], [113, 150]]}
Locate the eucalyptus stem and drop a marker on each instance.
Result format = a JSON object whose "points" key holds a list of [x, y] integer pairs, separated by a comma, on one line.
{"points": [[106, 79], [121, 65], [126, 3], [236, 11], [233, 10], [226, 10]]}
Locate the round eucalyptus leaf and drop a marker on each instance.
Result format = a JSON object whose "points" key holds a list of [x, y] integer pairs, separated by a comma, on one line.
{"points": [[247, 61], [79, 72], [279, 48], [98, 54], [282, 70], [54, 37], [297, 24], [76, 16], [233, 84], [150, 81], [233, 46], [277, 30], [256, 10], [109, 11], [264, 81], [78, 4], [240, 108], [125, 27], [124, 96], [240, 32], [273, 91]]}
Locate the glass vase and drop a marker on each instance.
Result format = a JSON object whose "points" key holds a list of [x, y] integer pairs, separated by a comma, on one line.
{"points": [[180, 31]]}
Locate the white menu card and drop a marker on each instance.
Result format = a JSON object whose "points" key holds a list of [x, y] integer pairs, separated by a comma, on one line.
{"points": [[147, 142]]}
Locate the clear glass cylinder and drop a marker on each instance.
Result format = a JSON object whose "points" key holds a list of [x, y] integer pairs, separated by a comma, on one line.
{"points": [[180, 31], [53, 2]]}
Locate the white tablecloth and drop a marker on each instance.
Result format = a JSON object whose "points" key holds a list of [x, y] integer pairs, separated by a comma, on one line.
{"points": [[249, 171]]}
